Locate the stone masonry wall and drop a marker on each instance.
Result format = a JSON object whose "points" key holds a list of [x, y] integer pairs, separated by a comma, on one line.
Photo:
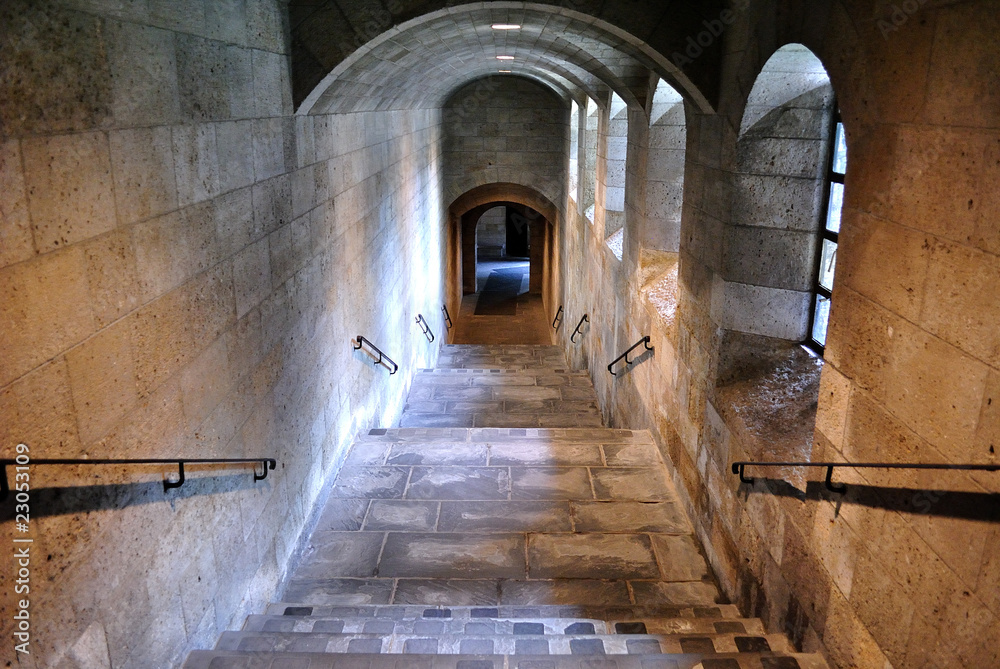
{"points": [[505, 129], [183, 264], [899, 572]]}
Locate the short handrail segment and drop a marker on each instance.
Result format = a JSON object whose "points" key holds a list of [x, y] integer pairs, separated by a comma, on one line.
{"points": [[266, 463], [642, 342], [447, 317], [739, 468], [576, 331], [424, 327], [382, 357], [558, 319]]}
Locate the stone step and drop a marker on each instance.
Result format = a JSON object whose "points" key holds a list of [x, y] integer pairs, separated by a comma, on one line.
{"points": [[550, 436], [219, 659], [496, 624], [503, 356], [501, 398], [525, 640], [626, 613]]}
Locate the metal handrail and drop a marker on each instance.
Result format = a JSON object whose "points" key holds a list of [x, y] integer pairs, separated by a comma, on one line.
{"points": [[576, 331], [558, 318], [644, 341], [381, 356], [268, 463], [447, 317], [425, 327], [740, 466]]}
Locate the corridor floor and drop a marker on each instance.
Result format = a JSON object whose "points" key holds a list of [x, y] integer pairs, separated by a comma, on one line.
{"points": [[519, 319]]}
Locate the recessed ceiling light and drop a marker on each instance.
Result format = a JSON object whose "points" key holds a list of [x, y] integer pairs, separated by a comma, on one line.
{"points": [[506, 26], [505, 57], [504, 71]]}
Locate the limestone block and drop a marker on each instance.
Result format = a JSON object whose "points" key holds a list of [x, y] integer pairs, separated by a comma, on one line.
{"points": [[987, 235], [268, 147], [987, 443], [962, 37], [225, 20], [103, 379], [266, 27], [935, 184], [859, 340], [206, 381], [211, 304], [272, 204], [251, 276], [172, 248], [16, 243], [234, 221], [38, 410], [831, 413], [234, 146], [773, 312], [667, 137], [782, 157], [886, 612], [69, 188], [269, 81], [162, 339], [143, 165], [112, 276], [56, 75], [960, 304], [44, 309], [143, 68], [836, 546], [777, 202], [196, 163], [935, 389], [770, 257], [853, 645]]}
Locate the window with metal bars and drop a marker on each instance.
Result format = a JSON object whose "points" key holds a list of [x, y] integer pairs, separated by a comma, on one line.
{"points": [[826, 252]]}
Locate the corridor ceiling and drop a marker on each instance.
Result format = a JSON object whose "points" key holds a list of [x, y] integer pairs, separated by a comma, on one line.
{"points": [[418, 63]]}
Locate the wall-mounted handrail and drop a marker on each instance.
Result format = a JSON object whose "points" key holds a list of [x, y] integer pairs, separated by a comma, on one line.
{"points": [[642, 342], [739, 468], [424, 327], [576, 331], [558, 319], [447, 317], [382, 357], [267, 463]]}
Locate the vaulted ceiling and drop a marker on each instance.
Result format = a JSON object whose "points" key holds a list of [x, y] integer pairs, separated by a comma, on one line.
{"points": [[353, 56]]}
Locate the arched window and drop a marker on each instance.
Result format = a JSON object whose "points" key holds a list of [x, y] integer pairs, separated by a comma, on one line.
{"points": [[614, 179], [590, 155], [826, 255], [574, 151]]}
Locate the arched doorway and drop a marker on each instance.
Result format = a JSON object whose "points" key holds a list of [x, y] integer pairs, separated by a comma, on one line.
{"points": [[504, 233]]}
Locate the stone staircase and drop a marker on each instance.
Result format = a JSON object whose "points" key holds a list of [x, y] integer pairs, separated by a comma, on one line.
{"points": [[502, 527]]}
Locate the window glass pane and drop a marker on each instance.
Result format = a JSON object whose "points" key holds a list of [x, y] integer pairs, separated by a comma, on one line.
{"points": [[840, 151], [827, 264], [834, 207], [821, 320]]}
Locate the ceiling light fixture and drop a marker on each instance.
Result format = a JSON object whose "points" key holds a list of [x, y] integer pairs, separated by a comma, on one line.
{"points": [[506, 26], [504, 71], [505, 57]]}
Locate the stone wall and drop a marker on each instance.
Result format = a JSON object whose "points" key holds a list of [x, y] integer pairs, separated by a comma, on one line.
{"points": [[901, 571], [505, 129], [492, 230], [184, 263]]}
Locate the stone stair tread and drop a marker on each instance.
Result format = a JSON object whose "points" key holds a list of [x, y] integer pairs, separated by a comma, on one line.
{"points": [[513, 612], [600, 435], [218, 659], [506, 644], [504, 624]]}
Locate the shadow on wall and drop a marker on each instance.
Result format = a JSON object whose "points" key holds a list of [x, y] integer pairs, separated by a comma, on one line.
{"points": [[66, 500], [936, 503]]}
